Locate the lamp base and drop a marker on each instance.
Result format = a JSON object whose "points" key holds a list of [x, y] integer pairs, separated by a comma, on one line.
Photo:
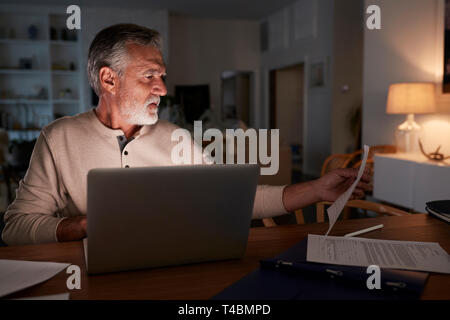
{"points": [[407, 136]]}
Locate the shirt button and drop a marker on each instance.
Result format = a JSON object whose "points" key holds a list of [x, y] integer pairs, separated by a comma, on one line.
{"points": [[125, 153], [121, 138], [127, 166]]}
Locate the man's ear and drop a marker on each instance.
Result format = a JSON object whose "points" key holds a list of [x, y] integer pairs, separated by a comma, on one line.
{"points": [[108, 79]]}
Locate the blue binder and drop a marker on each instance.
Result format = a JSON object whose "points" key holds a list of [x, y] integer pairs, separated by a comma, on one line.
{"points": [[289, 276]]}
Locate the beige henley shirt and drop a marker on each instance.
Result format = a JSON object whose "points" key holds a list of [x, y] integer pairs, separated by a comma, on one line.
{"points": [[55, 185]]}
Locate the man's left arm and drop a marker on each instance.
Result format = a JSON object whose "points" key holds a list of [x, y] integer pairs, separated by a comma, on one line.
{"points": [[273, 201]]}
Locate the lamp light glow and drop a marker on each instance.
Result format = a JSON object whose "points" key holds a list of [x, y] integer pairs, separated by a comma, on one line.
{"points": [[410, 99]]}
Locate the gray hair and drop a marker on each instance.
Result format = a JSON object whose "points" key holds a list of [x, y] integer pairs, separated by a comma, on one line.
{"points": [[108, 49]]}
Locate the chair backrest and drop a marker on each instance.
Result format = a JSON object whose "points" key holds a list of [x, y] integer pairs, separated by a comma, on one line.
{"points": [[353, 160], [348, 160], [340, 160]]}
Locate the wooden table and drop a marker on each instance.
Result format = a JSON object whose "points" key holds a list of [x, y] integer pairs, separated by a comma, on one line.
{"points": [[202, 281]]}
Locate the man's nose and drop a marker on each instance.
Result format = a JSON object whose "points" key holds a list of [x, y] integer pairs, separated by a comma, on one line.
{"points": [[159, 88]]}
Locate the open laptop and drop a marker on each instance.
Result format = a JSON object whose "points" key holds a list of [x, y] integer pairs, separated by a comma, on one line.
{"points": [[161, 216]]}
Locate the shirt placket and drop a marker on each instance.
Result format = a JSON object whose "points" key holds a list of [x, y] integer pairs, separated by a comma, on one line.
{"points": [[123, 142]]}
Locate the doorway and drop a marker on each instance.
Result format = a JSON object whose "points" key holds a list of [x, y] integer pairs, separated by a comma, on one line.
{"points": [[286, 108]]}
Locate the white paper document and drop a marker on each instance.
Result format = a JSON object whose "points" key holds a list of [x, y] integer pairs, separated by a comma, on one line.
{"points": [[336, 208], [408, 255], [16, 275]]}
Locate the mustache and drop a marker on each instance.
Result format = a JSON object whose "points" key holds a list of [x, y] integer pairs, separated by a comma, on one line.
{"points": [[154, 100]]}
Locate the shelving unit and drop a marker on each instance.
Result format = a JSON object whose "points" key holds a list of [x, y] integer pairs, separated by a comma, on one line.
{"points": [[40, 77]]}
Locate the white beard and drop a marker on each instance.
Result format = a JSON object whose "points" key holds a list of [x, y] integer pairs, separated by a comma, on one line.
{"points": [[138, 114]]}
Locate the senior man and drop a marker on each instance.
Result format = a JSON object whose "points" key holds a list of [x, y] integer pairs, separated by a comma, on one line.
{"points": [[126, 70]]}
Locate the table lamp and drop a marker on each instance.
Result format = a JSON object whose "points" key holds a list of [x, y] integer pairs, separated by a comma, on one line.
{"points": [[410, 98]]}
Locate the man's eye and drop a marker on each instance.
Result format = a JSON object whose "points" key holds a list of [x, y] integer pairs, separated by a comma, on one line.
{"points": [[149, 77]]}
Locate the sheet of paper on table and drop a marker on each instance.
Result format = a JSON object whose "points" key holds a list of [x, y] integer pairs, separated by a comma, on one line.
{"points": [[16, 275], [336, 208], [408, 255]]}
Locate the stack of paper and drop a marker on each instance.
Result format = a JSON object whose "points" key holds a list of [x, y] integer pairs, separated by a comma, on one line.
{"points": [[408, 255], [16, 275]]}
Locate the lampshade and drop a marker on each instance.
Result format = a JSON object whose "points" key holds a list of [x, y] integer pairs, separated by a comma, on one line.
{"points": [[411, 98]]}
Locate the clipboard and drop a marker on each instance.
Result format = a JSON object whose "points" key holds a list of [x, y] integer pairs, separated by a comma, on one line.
{"points": [[290, 277]]}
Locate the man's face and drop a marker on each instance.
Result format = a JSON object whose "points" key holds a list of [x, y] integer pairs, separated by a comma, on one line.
{"points": [[141, 85]]}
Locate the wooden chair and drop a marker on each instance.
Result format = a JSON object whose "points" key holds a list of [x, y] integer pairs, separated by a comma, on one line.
{"points": [[299, 218], [336, 161], [372, 151], [346, 160], [386, 148], [353, 161], [359, 204], [370, 162]]}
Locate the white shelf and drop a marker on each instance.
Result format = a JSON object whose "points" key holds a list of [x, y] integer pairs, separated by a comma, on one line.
{"points": [[410, 181], [44, 53]]}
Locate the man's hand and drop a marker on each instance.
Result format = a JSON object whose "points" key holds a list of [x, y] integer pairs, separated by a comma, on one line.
{"points": [[327, 188], [71, 229], [336, 182]]}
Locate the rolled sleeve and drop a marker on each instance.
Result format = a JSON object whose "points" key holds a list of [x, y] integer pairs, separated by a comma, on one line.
{"points": [[268, 202]]}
